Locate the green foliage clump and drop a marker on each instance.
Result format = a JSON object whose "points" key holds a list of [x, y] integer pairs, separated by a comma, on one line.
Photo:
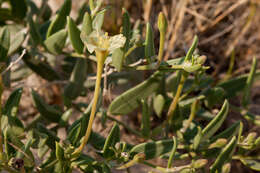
{"points": [[179, 93]]}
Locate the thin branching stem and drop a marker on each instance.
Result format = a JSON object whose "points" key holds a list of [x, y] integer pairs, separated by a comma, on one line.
{"points": [[161, 48]]}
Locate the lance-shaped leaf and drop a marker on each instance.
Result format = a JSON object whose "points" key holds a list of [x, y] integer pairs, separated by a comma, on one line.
{"points": [[56, 42], [192, 49], [86, 25], [65, 117], [98, 20], [112, 139], [17, 38], [118, 58], [158, 104], [197, 139], [126, 26], [145, 125], [153, 149], [73, 134], [9, 119], [51, 135], [42, 68], [74, 35], [59, 152], [249, 83], [34, 31], [149, 42], [60, 20], [26, 154], [11, 106], [129, 100], [47, 111], [224, 156], [4, 44], [251, 163], [215, 124], [228, 133]]}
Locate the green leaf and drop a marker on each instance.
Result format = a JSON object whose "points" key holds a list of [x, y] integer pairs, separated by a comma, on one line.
{"points": [[129, 100], [78, 76], [153, 149], [224, 156], [74, 133], [197, 139], [97, 141], [251, 163], [51, 135], [84, 162], [60, 20], [17, 37], [188, 56], [41, 67], [158, 104], [249, 83], [145, 124], [4, 44], [216, 123], [235, 85], [87, 24], [149, 42], [9, 121], [112, 138], [34, 31], [228, 133], [118, 59], [65, 117], [40, 139], [47, 111], [126, 26], [19, 8], [56, 42], [98, 20], [26, 154], [59, 152], [11, 137], [74, 35], [16, 42], [11, 106]]}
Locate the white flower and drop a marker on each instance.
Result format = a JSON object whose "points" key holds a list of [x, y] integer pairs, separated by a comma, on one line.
{"points": [[101, 42]]}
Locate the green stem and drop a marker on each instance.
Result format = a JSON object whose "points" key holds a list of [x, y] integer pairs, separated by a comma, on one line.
{"points": [[177, 96], [192, 115], [175, 144], [101, 56], [161, 48], [130, 50]]}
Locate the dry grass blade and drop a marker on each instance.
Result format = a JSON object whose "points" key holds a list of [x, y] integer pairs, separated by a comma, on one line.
{"points": [[226, 13], [180, 19]]}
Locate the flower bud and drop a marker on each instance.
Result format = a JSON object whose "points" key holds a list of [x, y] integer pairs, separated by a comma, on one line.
{"points": [[162, 23]]}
